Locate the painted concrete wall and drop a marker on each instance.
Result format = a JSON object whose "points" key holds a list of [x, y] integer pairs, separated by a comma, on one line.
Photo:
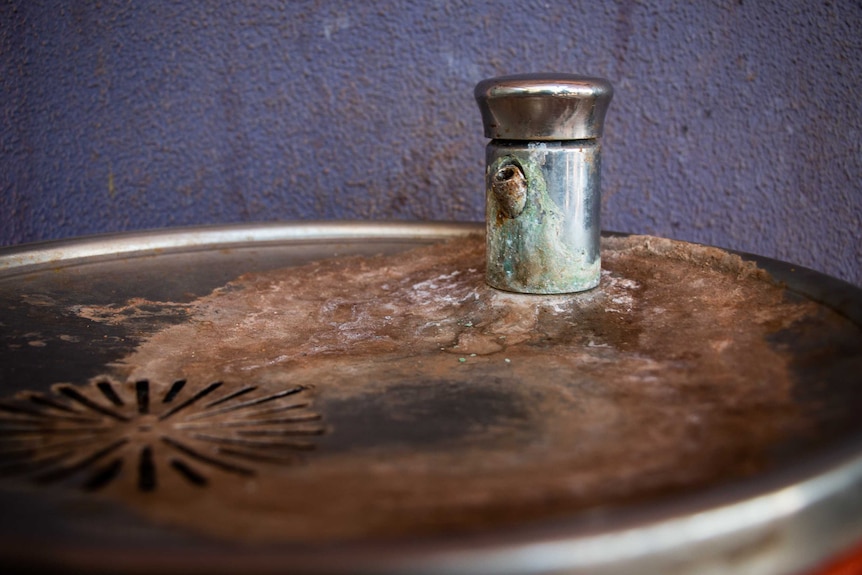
{"points": [[735, 123]]}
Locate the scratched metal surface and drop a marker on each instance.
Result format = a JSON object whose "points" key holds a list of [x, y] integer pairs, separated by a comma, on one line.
{"points": [[410, 441]]}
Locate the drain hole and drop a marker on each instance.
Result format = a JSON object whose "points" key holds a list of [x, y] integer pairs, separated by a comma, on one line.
{"points": [[274, 410], [196, 397], [249, 403], [66, 471], [65, 438], [48, 402], [104, 475], [21, 410], [146, 470], [230, 396], [30, 412], [187, 472], [40, 430], [252, 422], [78, 397], [108, 391], [261, 443], [142, 390], [174, 390], [224, 465]]}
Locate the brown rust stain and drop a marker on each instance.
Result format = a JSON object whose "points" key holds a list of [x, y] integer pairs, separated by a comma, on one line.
{"points": [[452, 406]]}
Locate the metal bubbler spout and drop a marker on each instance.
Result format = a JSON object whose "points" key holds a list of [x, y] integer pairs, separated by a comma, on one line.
{"points": [[543, 180]]}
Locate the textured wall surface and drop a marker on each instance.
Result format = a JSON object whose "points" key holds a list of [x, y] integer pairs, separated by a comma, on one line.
{"points": [[737, 123]]}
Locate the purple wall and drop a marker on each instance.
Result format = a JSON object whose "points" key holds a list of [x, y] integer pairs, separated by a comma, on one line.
{"points": [[734, 123]]}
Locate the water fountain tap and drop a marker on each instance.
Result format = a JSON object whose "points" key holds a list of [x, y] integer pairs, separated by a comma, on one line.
{"points": [[543, 180]]}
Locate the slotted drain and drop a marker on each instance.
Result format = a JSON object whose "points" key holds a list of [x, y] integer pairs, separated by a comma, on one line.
{"points": [[90, 435]]}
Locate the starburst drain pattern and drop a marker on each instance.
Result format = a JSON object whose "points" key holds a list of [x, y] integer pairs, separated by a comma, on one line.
{"points": [[97, 434]]}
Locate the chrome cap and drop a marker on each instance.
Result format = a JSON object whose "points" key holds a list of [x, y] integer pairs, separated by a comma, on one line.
{"points": [[543, 106]]}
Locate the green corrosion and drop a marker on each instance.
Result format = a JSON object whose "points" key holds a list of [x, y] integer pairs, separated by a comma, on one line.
{"points": [[528, 253]]}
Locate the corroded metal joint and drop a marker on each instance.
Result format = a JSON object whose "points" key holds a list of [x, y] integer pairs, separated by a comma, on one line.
{"points": [[510, 190], [543, 186]]}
